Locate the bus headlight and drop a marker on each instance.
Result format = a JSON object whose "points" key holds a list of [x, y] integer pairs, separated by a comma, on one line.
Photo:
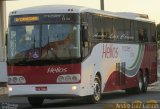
{"points": [[16, 80], [60, 79], [68, 78], [22, 79]]}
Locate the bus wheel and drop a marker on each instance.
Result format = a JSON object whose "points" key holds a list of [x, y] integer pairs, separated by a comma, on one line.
{"points": [[145, 83], [96, 97], [35, 101], [139, 88], [129, 90]]}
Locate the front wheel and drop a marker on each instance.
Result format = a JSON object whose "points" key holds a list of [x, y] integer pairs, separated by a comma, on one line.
{"points": [[35, 101], [96, 97]]}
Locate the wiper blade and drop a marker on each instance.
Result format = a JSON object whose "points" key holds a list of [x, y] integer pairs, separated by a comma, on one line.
{"points": [[17, 61]]}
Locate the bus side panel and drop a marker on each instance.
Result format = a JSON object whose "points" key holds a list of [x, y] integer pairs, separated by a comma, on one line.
{"points": [[93, 64], [149, 64], [113, 61], [119, 81]]}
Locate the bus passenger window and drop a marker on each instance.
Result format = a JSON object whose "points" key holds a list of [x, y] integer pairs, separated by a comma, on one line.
{"points": [[153, 33], [145, 38], [140, 35]]}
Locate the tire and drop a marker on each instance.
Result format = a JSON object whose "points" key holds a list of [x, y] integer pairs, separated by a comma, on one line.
{"points": [[35, 101], [129, 91], [139, 88], [145, 83], [96, 97]]}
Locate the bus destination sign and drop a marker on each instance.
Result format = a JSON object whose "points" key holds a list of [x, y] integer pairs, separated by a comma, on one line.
{"points": [[45, 18], [27, 19]]}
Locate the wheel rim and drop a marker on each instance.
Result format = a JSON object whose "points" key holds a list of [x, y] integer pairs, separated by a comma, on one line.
{"points": [[145, 82], [97, 91], [140, 84]]}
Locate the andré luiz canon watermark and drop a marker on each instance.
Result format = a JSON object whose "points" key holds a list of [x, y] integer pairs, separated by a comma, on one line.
{"points": [[137, 104], [8, 106]]}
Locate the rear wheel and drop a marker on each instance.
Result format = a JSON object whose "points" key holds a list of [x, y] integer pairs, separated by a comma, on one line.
{"points": [[145, 83], [139, 87], [96, 97], [35, 101]]}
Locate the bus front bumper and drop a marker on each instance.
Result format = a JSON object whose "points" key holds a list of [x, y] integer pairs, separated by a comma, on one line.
{"points": [[56, 90]]}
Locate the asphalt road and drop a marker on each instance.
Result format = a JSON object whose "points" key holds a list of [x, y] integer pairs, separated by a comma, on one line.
{"points": [[114, 97]]}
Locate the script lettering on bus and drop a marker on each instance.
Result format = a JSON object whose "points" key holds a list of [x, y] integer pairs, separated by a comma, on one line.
{"points": [[109, 51], [57, 70]]}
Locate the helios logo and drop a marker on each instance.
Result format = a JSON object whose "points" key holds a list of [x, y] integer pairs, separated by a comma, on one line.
{"points": [[109, 51], [56, 70]]}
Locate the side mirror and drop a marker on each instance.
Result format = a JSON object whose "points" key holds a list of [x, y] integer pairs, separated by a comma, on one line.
{"points": [[85, 33], [6, 38]]}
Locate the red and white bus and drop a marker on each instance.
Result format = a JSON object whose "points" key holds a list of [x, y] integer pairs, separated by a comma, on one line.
{"points": [[72, 51]]}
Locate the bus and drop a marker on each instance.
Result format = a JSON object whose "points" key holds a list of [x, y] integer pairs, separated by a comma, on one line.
{"points": [[65, 51]]}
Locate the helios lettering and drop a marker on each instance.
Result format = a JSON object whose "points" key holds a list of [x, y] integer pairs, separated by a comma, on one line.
{"points": [[56, 70], [109, 51]]}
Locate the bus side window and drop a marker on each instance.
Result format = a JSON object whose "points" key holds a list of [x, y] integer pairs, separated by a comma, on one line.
{"points": [[119, 29], [127, 26], [136, 31], [153, 33], [145, 32], [140, 34], [108, 23], [148, 32], [132, 31], [141, 31]]}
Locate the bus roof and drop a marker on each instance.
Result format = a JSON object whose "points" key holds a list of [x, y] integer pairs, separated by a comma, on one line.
{"points": [[78, 9]]}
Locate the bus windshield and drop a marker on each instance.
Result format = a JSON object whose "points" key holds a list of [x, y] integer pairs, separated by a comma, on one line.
{"points": [[43, 42]]}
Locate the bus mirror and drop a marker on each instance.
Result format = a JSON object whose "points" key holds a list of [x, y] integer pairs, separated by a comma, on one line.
{"points": [[84, 33], [6, 37]]}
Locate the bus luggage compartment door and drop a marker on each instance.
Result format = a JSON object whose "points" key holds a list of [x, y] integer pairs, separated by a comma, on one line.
{"points": [[120, 77]]}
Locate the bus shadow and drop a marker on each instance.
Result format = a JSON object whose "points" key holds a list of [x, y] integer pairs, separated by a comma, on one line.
{"points": [[106, 98], [61, 104], [122, 96]]}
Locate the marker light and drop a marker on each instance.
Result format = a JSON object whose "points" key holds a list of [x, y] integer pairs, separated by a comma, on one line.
{"points": [[10, 89]]}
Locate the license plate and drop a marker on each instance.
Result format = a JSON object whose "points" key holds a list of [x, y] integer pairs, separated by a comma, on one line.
{"points": [[44, 88]]}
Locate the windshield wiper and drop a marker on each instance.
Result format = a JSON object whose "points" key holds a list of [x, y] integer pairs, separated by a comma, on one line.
{"points": [[17, 61]]}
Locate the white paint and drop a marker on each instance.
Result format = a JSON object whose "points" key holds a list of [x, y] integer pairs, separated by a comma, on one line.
{"points": [[75, 9], [97, 62], [66, 89]]}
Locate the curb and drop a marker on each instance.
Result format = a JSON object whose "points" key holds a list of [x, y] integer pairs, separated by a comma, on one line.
{"points": [[155, 84]]}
